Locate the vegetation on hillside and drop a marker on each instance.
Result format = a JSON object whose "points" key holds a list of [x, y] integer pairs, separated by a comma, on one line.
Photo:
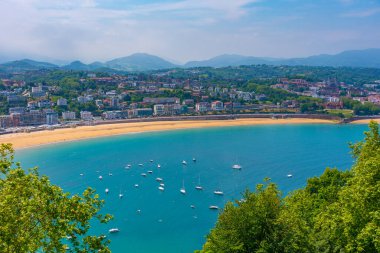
{"points": [[36, 216], [336, 212]]}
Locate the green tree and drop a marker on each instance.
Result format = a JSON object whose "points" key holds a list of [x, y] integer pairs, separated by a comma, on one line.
{"points": [[248, 225], [352, 224], [38, 216]]}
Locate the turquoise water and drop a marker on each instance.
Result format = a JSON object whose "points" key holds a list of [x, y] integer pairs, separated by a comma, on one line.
{"points": [[166, 222]]}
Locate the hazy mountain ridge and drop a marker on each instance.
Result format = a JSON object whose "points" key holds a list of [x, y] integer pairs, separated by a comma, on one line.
{"points": [[369, 58], [139, 62]]}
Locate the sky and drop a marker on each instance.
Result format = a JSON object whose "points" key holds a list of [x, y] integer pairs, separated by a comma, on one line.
{"points": [[184, 30]]}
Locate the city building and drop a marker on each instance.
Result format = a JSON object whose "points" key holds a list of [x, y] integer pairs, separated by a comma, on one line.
{"points": [[17, 110], [51, 118], [114, 103], [68, 115], [202, 107], [217, 106], [170, 100], [85, 115], [32, 118], [62, 102], [44, 104], [6, 121], [159, 109]]}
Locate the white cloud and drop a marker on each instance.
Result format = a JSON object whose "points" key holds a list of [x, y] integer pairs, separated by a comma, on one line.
{"points": [[182, 30], [362, 13]]}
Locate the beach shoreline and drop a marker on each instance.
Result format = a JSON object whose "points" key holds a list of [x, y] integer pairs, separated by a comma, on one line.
{"points": [[39, 138]]}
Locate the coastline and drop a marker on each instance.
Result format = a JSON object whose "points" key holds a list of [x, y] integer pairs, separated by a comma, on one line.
{"points": [[364, 121], [33, 139]]}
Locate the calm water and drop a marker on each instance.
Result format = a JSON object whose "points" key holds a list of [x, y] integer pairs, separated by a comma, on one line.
{"points": [[166, 222]]}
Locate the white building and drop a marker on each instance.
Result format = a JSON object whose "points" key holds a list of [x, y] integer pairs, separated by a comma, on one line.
{"points": [[84, 115], [68, 115], [62, 102], [37, 89], [159, 109], [52, 118], [202, 107]]}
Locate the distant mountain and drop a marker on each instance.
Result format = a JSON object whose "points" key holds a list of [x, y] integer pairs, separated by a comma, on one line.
{"points": [[77, 65], [369, 58], [355, 58], [139, 62], [26, 64], [227, 60]]}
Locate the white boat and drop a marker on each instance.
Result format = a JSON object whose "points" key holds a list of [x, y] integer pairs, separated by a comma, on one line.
{"points": [[183, 190], [163, 185], [140, 164], [161, 188], [217, 192], [107, 190], [289, 175], [213, 207], [110, 174], [81, 174], [128, 166], [198, 186], [121, 195], [236, 167], [158, 166], [192, 206], [150, 171], [143, 174], [114, 230], [194, 160], [159, 179], [184, 162], [136, 185], [151, 161], [100, 177]]}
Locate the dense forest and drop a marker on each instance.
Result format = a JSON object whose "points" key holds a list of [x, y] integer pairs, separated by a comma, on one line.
{"points": [[336, 212]]}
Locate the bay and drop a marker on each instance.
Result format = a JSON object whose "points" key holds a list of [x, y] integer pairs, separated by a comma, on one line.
{"points": [[151, 220]]}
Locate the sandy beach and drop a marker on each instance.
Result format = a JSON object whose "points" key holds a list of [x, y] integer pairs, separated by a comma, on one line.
{"points": [[365, 121], [26, 140]]}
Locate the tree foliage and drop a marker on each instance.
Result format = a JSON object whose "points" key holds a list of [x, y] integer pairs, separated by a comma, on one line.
{"points": [[336, 212], [38, 216]]}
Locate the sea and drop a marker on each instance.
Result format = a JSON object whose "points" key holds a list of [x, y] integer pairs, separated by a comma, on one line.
{"points": [[151, 220]]}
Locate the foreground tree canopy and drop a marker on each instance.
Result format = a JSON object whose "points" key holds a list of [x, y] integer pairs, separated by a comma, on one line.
{"points": [[336, 212], [36, 216]]}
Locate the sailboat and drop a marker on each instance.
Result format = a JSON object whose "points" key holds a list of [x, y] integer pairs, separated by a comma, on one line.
{"points": [[198, 186], [236, 167], [218, 192], [121, 195], [114, 230], [183, 190], [184, 162]]}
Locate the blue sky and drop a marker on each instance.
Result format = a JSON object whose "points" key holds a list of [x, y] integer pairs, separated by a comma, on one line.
{"points": [[184, 30]]}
